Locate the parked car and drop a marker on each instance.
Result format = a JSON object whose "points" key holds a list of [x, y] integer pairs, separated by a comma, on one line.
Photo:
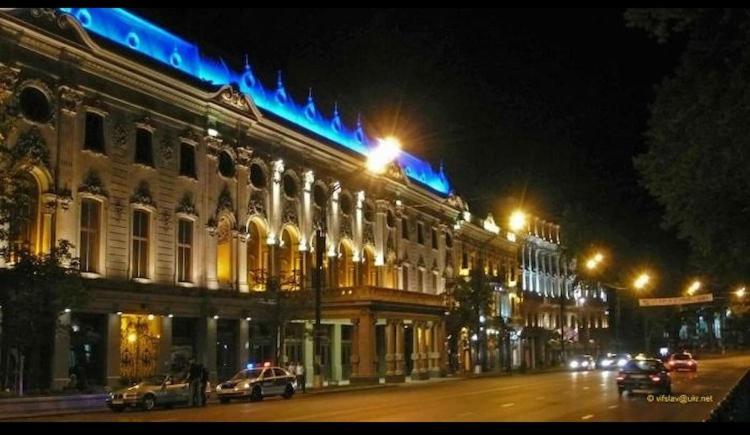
{"points": [[257, 383], [152, 392], [647, 374], [682, 361], [582, 362]]}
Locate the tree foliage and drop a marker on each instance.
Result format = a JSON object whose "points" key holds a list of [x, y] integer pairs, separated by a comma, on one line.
{"points": [[697, 162], [469, 298], [33, 294]]}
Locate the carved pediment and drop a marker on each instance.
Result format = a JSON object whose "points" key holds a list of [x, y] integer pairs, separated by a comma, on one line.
{"points": [[289, 215], [256, 204], [225, 202], [142, 195], [233, 98], [186, 206], [367, 234], [93, 184]]}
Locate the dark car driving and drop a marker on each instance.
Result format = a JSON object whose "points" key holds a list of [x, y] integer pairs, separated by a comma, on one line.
{"points": [[647, 374]]}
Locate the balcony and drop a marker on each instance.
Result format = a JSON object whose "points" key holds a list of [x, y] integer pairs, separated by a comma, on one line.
{"points": [[370, 295]]}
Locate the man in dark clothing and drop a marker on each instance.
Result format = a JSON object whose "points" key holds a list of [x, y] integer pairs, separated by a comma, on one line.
{"points": [[204, 386], [195, 374]]}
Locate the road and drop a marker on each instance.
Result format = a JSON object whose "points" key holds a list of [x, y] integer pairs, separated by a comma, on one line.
{"points": [[559, 396]]}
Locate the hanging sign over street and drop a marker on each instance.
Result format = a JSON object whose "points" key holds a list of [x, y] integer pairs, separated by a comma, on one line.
{"points": [[661, 302]]}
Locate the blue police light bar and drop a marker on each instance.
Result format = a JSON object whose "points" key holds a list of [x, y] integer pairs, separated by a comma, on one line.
{"points": [[249, 366], [135, 33]]}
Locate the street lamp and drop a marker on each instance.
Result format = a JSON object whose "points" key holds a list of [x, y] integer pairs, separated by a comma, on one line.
{"points": [[694, 287], [740, 293], [642, 281], [382, 155], [517, 220]]}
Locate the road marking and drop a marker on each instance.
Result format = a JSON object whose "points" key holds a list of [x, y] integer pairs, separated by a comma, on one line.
{"points": [[507, 405], [587, 416], [612, 406], [585, 388]]}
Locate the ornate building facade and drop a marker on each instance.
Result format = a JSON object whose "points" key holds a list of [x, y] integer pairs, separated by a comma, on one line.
{"points": [[185, 186]]}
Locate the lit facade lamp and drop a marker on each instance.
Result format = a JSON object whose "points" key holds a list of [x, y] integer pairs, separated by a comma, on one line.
{"points": [[518, 220], [382, 155]]}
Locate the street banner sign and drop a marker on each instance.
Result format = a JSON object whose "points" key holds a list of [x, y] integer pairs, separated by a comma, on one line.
{"points": [[661, 302]]}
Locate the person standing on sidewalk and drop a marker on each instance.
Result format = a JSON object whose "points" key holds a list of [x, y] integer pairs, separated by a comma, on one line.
{"points": [[195, 374], [300, 373], [204, 386]]}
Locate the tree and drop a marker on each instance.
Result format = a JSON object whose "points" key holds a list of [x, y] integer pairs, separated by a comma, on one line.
{"points": [[697, 165], [36, 288], [34, 293], [470, 300]]}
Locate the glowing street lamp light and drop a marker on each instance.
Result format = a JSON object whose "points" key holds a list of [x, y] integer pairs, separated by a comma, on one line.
{"points": [[379, 157], [642, 281], [598, 257], [517, 220], [591, 264], [694, 287], [740, 293]]}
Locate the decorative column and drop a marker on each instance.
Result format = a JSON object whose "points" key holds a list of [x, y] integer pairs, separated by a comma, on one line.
{"points": [[443, 359], [390, 349], [206, 346], [243, 343], [113, 350], [309, 352], [365, 347], [336, 354], [164, 358], [49, 205], [380, 235], [399, 374], [354, 357], [211, 245], [424, 350], [61, 353], [434, 350], [242, 262]]}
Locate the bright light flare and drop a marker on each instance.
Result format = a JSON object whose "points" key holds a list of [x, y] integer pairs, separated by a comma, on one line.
{"points": [[740, 293], [642, 281], [694, 287], [381, 156], [517, 220], [591, 264]]}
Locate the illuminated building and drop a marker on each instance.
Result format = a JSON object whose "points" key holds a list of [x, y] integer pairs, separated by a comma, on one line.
{"points": [[186, 186]]}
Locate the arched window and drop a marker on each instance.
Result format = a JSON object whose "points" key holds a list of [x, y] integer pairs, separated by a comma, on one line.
{"points": [[24, 219], [369, 271], [346, 265], [389, 275], [88, 245], [288, 260], [257, 256], [224, 252]]}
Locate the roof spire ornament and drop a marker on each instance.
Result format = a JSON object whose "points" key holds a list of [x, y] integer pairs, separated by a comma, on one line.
{"points": [[281, 96], [359, 133], [310, 106], [248, 77], [336, 122]]}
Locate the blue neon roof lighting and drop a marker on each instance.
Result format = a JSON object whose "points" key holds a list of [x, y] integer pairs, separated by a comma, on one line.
{"points": [[135, 33]]}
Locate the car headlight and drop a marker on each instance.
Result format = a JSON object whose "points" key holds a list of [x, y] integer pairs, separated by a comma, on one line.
{"points": [[585, 363], [218, 388], [245, 385], [573, 364], [606, 363], [621, 362]]}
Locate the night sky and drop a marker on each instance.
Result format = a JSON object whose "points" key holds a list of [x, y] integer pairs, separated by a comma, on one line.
{"points": [[543, 106]]}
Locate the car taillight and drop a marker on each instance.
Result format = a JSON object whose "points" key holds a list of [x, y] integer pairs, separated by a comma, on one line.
{"points": [[621, 377], [690, 363], [655, 378]]}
